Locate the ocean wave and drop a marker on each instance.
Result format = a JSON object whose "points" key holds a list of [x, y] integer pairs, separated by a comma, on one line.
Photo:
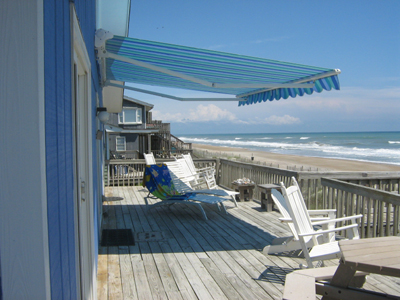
{"points": [[304, 137], [314, 145], [351, 151], [355, 152]]}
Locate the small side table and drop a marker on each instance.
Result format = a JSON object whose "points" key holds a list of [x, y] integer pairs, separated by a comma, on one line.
{"points": [[266, 199], [245, 190]]}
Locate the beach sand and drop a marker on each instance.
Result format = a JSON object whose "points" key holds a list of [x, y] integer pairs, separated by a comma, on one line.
{"points": [[323, 164]]}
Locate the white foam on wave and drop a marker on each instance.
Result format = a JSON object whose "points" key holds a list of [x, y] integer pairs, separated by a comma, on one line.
{"points": [[355, 152], [394, 142], [304, 137], [309, 148]]}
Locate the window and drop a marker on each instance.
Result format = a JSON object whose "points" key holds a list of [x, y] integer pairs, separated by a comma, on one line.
{"points": [[120, 143], [130, 116]]}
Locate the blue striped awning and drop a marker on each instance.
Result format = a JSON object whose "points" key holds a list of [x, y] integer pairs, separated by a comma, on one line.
{"points": [[250, 79]]}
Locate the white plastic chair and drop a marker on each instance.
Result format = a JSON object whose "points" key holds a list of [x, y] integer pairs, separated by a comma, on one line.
{"points": [[184, 183], [149, 158], [305, 230], [199, 177]]}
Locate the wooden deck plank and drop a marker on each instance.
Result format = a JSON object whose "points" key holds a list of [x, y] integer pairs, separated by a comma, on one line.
{"points": [[194, 253], [220, 279], [165, 273], [194, 280], [114, 274], [233, 260], [139, 274], [127, 278], [177, 272], [102, 274], [156, 286], [213, 251], [196, 259]]}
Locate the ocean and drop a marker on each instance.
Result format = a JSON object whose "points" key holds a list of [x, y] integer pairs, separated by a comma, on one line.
{"points": [[378, 147]]}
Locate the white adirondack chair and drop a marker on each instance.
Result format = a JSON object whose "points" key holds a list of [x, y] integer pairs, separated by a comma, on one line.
{"points": [[290, 243], [305, 230]]}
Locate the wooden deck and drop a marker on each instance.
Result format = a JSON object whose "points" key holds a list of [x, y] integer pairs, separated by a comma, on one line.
{"points": [[186, 257]]}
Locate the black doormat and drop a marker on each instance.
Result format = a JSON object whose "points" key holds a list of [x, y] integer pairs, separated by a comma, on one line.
{"points": [[117, 237]]}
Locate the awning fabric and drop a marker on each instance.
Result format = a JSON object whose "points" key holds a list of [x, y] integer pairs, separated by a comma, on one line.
{"points": [[242, 76]]}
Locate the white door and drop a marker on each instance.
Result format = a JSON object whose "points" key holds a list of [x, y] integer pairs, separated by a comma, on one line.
{"points": [[84, 207]]}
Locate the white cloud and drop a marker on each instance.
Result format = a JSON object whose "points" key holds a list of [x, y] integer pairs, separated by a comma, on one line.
{"points": [[272, 120], [166, 117], [211, 112], [352, 100], [284, 120], [202, 113], [350, 104]]}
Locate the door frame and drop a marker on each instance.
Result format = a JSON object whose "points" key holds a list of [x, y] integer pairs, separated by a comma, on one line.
{"points": [[83, 164]]}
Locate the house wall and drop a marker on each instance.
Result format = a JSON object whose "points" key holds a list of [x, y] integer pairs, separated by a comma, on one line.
{"points": [[139, 126], [25, 271], [59, 149], [132, 139], [114, 117], [37, 220], [59, 139]]}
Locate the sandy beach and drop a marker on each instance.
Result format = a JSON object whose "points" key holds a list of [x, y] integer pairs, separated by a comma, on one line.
{"points": [[305, 161]]}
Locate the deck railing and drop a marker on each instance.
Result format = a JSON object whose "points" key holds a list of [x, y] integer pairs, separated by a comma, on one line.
{"points": [[377, 199], [373, 194]]}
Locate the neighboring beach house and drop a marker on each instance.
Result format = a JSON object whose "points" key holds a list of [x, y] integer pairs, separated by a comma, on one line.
{"points": [[51, 189], [129, 137], [133, 132]]}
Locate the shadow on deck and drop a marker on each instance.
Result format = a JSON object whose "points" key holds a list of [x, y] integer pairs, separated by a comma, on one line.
{"points": [[179, 255]]}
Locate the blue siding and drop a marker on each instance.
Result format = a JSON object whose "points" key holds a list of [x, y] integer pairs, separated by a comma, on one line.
{"points": [[59, 137], [59, 159]]}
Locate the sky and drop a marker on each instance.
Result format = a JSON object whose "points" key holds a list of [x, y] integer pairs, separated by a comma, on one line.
{"points": [[361, 38]]}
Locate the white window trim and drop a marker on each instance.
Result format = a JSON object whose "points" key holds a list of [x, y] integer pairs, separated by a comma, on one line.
{"points": [[138, 116], [116, 143]]}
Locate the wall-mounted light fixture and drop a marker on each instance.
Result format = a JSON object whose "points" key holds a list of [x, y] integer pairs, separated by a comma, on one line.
{"points": [[102, 114]]}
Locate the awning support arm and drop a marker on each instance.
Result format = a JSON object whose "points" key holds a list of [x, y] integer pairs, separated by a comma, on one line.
{"points": [[169, 96]]}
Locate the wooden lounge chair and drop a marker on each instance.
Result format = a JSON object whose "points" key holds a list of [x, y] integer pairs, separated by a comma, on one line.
{"points": [[290, 243], [157, 180], [305, 230]]}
